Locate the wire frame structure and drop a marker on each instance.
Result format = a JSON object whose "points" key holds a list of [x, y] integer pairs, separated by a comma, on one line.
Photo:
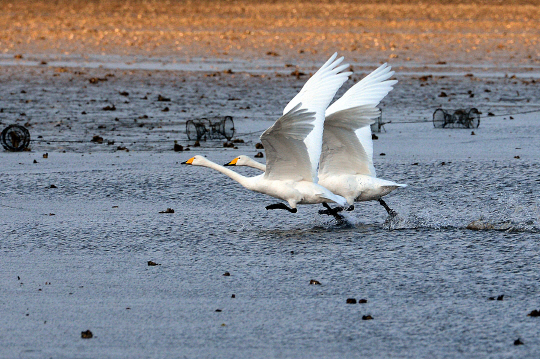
{"points": [[15, 138], [203, 128], [462, 118], [378, 124]]}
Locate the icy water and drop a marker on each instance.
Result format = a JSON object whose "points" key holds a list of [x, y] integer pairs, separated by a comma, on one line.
{"points": [[426, 277]]}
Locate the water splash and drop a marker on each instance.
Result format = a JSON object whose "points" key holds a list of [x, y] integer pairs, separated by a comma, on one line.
{"points": [[514, 213], [393, 222]]}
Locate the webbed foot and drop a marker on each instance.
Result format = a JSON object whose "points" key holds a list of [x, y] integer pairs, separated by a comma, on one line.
{"points": [[332, 212], [281, 206]]}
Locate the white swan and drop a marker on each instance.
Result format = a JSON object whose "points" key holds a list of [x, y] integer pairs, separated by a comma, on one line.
{"points": [[346, 163], [291, 170]]}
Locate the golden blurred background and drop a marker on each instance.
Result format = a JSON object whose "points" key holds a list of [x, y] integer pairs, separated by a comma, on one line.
{"points": [[421, 32]]}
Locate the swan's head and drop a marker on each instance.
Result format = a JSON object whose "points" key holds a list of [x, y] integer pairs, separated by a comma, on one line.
{"points": [[241, 160], [195, 161]]}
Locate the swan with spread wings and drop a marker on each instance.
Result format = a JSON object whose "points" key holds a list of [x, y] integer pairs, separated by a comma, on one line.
{"points": [[346, 161], [293, 145]]}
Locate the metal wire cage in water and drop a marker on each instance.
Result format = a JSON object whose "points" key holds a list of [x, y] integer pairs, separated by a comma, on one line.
{"points": [[462, 118], [197, 129], [203, 128], [15, 138]]}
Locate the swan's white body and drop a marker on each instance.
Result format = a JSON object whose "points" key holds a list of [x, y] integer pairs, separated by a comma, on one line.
{"points": [[354, 188], [291, 170], [358, 188], [346, 163]]}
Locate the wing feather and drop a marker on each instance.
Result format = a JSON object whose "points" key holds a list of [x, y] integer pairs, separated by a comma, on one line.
{"points": [[369, 91], [287, 157], [364, 136], [315, 96], [342, 151], [352, 152]]}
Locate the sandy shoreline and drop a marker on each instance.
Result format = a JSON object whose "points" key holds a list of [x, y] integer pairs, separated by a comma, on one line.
{"points": [[221, 58], [484, 33]]}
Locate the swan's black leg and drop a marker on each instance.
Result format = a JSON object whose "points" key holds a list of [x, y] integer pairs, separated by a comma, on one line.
{"points": [[281, 206], [332, 212], [390, 211], [350, 208], [327, 206], [329, 210]]}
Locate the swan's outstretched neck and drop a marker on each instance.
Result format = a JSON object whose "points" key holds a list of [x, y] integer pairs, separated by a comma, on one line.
{"points": [[244, 181], [257, 165]]}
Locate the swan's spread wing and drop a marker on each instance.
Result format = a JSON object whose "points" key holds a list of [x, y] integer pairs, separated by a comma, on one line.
{"points": [[315, 96], [287, 157], [370, 91], [342, 150]]}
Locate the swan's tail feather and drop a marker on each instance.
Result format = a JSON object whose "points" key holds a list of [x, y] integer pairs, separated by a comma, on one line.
{"points": [[389, 188], [393, 186], [335, 198]]}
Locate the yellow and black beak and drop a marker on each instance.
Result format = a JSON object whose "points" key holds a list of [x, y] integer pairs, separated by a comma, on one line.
{"points": [[232, 163], [188, 162]]}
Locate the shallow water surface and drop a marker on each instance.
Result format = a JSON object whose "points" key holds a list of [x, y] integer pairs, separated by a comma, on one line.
{"points": [[426, 278]]}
